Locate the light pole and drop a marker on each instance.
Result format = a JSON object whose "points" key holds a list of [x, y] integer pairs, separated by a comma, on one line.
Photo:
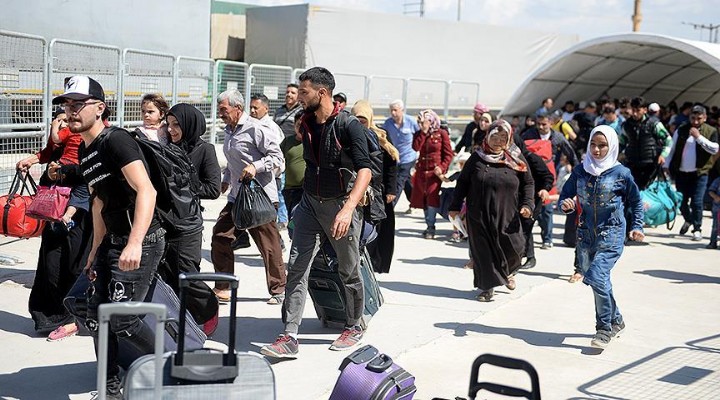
{"points": [[637, 16]]}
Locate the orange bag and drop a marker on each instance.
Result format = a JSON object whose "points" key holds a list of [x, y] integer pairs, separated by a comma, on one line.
{"points": [[13, 218]]}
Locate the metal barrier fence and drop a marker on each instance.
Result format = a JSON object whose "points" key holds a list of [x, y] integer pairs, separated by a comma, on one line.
{"points": [[270, 80], [143, 72], [194, 84], [381, 90], [228, 75], [462, 97], [426, 93]]}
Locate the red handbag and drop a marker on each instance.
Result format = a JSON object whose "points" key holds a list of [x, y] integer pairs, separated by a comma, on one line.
{"points": [[13, 218], [49, 203]]}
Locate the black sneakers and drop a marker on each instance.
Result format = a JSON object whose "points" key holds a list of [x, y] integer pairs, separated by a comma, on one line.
{"points": [[685, 228], [529, 263], [617, 328]]}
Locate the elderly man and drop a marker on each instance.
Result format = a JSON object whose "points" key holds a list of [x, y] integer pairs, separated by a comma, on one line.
{"points": [[400, 129], [252, 152]]}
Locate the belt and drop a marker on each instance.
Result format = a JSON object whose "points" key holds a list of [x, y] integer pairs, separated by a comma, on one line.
{"points": [[149, 238]]}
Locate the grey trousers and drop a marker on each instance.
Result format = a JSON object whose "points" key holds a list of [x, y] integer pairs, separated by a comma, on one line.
{"points": [[313, 220]]}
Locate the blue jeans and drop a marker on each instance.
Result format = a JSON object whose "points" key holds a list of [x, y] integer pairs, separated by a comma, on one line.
{"points": [[607, 313], [403, 179], [114, 285], [693, 189], [282, 210], [431, 216], [715, 217], [545, 220]]}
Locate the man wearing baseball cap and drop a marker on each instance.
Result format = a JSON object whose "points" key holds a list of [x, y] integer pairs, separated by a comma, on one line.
{"points": [[128, 241], [689, 161]]}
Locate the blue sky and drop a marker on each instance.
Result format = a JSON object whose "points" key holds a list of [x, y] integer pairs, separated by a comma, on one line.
{"points": [[587, 18]]}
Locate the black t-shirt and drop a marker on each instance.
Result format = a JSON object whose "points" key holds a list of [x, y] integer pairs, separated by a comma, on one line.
{"points": [[101, 164], [353, 138]]}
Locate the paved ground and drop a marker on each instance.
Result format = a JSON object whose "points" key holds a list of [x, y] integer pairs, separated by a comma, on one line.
{"points": [[432, 326]]}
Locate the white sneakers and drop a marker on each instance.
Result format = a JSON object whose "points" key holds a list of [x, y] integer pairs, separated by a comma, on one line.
{"points": [[697, 236]]}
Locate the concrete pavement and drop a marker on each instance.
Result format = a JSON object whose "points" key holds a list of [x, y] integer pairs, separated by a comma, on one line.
{"points": [[667, 290]]}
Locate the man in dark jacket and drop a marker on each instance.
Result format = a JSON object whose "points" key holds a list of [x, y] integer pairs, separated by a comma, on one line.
{"points": [[337, 175], [689, 161]]}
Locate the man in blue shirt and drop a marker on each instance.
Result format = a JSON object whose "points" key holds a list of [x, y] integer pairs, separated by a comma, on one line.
{"points": [[401, 129]]}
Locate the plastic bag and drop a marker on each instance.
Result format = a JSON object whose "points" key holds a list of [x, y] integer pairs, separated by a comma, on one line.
{"points": [[252, 206]]}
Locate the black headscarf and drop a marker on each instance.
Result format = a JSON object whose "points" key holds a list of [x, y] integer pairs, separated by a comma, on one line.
{"points": [[192, 123]]}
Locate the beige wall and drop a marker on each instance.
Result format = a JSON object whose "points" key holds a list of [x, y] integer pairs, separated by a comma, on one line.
{"points": [[227, 37]]}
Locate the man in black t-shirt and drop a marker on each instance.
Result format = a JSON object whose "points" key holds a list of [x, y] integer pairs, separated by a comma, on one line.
{"points": [[336, 154], [128, 241]]}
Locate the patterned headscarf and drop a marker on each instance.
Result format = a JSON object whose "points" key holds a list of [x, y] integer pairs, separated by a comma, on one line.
{"points": [[509, 155], [430, 115]]}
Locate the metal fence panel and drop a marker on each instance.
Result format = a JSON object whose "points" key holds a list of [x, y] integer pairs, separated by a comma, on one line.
{"points": [[353, 85], [194, 79], [228, 75], [382, 90], [270, 80], [98, 61], [144, 72], [426, 93], [296, 74], [462, 97]]}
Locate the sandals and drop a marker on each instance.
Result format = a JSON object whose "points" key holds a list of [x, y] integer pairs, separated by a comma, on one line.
{"points": [[223, 296], [511, 282], [485, 295]]}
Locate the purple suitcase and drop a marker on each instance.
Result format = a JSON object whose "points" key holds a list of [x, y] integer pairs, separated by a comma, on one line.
{"points": [[368, 375]]}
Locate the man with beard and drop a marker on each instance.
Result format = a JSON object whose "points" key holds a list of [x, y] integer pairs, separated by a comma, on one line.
{"points": [[128, 241], [285, 115], [337, 174]]}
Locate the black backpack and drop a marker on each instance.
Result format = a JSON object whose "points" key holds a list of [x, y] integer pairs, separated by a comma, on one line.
{"points": [[374, 210], [175, 180]]}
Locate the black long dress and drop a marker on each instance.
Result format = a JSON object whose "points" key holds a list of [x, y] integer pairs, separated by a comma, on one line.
{"points": [[495, 193], [382, 248]]}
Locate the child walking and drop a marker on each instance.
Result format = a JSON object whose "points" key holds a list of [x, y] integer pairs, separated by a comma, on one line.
{"points": [[603, 188]]}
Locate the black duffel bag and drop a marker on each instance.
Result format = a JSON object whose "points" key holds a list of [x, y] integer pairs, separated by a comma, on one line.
{"points": [[253, 206]]}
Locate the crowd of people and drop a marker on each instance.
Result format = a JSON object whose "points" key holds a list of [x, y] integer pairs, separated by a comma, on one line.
{"points": [[313, 160]]}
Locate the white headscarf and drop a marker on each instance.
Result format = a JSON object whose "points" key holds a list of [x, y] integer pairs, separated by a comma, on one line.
{"points": [[596, 167]]}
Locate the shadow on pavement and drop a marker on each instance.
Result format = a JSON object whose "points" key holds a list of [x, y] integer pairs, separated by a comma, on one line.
{"points": [[432, 261], [535, 338], [428, 290], [687, 372], [686, 244], [40, 383], [14, 323], [20, 276], [680, 277], [251, 260], [549, 275]]}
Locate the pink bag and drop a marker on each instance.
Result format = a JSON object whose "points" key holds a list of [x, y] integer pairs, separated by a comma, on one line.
{"points": [[49, 203]]}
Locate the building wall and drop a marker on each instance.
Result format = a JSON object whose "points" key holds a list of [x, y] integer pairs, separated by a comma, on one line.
{"points": [[228, 37], [276, 35], [180, 27]]}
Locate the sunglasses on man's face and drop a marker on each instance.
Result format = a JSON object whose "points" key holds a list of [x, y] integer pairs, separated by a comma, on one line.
{"points": [[76, 107]]}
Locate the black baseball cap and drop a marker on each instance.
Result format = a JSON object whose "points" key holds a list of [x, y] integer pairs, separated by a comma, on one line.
{"points": [[341, 95], [81, 88]]}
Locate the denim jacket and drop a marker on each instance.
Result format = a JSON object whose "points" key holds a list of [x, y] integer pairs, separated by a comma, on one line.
{"points": [[602, 202]]}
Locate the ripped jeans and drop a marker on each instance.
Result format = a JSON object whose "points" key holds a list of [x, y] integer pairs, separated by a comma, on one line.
{"points": [[130, 337]]}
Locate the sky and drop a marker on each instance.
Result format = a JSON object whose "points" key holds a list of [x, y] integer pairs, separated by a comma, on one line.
{"points": [[586, 18]]}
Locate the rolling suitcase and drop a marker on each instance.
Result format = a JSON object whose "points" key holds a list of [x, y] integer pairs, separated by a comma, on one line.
{"points": [[368, 375], [327, 291], [205, 373]]}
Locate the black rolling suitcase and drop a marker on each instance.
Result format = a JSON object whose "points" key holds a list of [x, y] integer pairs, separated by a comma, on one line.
{"points": [[205, 373], [504, 362], [327, 291]]}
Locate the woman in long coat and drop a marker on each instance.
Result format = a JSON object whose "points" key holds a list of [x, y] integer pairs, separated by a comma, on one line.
{"points": [[499, 190], [436, 154]]}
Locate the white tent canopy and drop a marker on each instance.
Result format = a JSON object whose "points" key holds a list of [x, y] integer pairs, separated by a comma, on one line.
{"points": [[658, 68]]}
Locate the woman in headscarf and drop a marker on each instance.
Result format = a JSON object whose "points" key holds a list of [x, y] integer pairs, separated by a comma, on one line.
{"points": [[436, 154], [482, 129], [603, 188], [186, 124], [381, 249], [498, 189]]}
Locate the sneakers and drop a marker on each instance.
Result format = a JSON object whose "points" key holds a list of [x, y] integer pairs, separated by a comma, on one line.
{"points": [[684, 229], [601, 339], [285, 346], [223, 295], [349, 339], [486, 295], [712, 246], [112, 390], [276, 299], [617, 328], [529, 263], [62, 332], [697, 236], [210, 325], [242, 241], [456, 237], [546, 245], [429, 233]]}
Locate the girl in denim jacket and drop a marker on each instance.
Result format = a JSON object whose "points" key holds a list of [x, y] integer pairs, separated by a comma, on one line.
{"points": [[603, 188]]}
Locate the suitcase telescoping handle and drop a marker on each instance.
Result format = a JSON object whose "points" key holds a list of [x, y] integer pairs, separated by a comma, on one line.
{"points": [[105, 311], [504, 362], [229, 359]]}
